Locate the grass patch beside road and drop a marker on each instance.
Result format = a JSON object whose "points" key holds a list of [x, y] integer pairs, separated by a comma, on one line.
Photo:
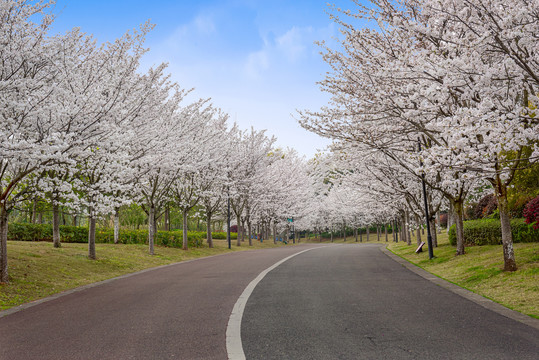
{"points": [[38, 270], [481, 271]]}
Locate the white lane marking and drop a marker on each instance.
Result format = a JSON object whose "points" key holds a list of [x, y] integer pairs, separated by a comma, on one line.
{"points": [[234, 346]]}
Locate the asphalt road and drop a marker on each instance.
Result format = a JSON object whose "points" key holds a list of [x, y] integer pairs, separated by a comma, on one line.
{"points": [[337, 302], [177, 312], [354, 302]]}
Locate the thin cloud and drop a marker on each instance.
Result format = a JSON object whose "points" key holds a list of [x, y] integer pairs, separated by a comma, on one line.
{"points": [[285, 51], [204, 24], [294, 42], [257, 62]]}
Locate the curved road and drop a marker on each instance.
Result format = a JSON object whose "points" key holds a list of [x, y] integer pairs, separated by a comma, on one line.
{"points": [[354, 302], [337, 302]]}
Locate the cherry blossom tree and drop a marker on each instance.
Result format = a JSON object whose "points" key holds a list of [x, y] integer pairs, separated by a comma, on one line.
{"points": [[170, 129], [281, 190], [213, 177], [57, 94], [250, 155], [418, 76], [195, 174], [26, 86]]}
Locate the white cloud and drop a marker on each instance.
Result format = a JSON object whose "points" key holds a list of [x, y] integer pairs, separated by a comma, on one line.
{"points": [[185, 35], [294, 42], [257, 62], [288, 50], [204, 24], [260, 84]]}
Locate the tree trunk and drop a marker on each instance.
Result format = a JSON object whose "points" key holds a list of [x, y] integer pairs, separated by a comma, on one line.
{"points": [[433, 232], [274, 232], [250, 234], [459, 213], [450, 214], [344, 232], [116, 225], [242, 230], [151, 227], [167, 218], [287, 233], [91, 235], [360, 235], [55, 224], [185, 241], [396, 231], [405, 237], [238, 222], [406, 228], [377, 232], [507, 237], [209, 238], [4, 278], [155, 221], [403, 230], [355, 233], [418, 230], [368, 232], [34, 210], [331, 233]]}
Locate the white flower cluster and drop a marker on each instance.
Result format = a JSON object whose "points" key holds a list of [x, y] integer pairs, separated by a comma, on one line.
{"points": [[461, 77]]}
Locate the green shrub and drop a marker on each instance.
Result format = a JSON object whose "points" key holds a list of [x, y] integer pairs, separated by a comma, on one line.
{"points": [[489, 232], [30, 232], [75, 234], [221, 235]]}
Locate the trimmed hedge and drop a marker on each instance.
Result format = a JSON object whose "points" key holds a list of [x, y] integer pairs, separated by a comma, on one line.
{"points": [[75, 234], [489, 232], [220, 235]]}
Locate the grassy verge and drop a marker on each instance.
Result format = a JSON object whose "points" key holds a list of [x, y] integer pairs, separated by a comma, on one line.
{"points": [[38, 270], [481, 271]]}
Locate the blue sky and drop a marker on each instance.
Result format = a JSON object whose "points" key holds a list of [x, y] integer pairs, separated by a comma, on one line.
{"points": [[256, 59]]}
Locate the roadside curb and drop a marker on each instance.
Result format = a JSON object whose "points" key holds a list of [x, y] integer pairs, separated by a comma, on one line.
{"points": [[467, 294]]}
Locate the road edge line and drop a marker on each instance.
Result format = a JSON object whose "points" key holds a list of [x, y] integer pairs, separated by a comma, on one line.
{"points": [[234, 347], [465, 293]]}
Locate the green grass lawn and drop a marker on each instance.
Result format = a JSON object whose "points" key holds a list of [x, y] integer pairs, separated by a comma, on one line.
{"points": [[481, 271], [37, 269]]}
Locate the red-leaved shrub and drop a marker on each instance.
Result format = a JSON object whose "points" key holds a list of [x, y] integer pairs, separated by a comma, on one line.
{"points": [[531, 213], [443, 220]]}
